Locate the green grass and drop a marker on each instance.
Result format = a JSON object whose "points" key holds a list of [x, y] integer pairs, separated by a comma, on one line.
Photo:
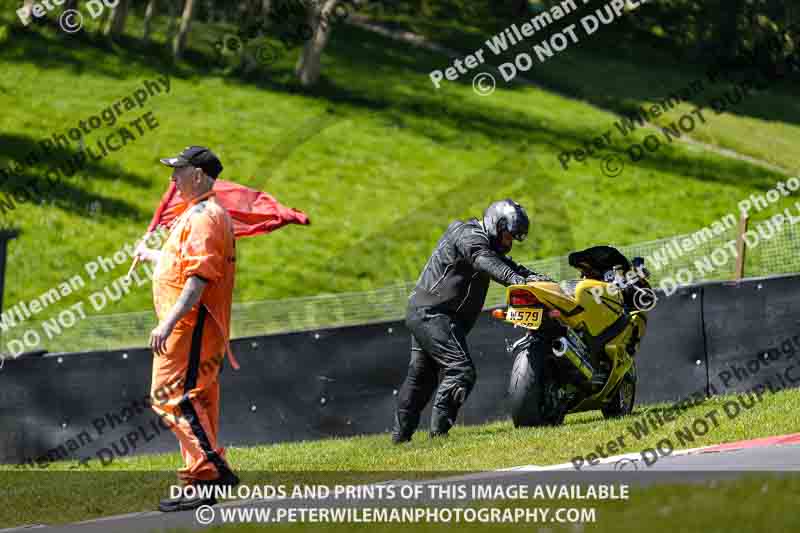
{"points": [[380, 161], [62, 493], [621, 70]]}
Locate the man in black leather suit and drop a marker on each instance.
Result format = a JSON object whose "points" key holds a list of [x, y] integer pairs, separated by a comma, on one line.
{"points": [[443, 308]]}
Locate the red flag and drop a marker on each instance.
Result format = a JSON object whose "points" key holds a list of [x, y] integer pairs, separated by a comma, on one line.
{"points": [[165, 201], [253, 212]]}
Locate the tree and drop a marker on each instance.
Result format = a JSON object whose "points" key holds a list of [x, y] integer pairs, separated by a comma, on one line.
{"points": [[148, 18], [309, 63], [116, 25], [174, 8], [28, 6], [181, 38], [102, 21]]}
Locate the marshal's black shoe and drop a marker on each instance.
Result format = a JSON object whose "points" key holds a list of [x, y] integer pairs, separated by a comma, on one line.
{"points": [[182, 503]]}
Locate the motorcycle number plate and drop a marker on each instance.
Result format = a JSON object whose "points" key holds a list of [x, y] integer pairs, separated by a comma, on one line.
{"points": [[528, 317]]}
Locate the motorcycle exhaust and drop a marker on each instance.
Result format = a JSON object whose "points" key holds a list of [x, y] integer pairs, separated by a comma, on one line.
{"points": [[562, 346]]}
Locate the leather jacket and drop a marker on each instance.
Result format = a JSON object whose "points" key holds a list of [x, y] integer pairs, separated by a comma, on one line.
{"points": [[456, 278]]}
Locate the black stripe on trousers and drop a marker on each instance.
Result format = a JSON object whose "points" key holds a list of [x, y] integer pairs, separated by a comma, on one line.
{"points": [[185, 405]]}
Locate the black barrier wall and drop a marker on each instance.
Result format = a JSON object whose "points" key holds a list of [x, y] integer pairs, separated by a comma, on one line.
{"points": [[343, 381], [753, 334], [672, 359]]}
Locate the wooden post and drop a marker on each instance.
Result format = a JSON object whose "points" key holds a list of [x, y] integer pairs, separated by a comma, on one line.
{"points": [[741, 246]]}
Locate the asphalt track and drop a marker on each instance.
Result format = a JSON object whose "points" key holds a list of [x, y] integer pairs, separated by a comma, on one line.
{"points": [[774, 455]]}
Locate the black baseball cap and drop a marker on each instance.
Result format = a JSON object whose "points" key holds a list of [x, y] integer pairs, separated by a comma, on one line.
{"points": [[196, 156]]}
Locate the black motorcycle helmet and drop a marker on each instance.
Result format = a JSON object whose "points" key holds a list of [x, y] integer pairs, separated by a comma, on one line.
{"points": [[505, 215]]}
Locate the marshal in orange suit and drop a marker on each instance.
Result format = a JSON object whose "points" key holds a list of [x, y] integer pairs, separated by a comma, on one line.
{"points": [[192, 293]]}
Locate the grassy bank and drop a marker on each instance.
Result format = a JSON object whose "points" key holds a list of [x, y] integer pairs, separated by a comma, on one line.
{"points": [[40, 495], [380, 160]]}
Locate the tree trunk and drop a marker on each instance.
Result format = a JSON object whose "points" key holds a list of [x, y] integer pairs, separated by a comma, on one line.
{"points": [[116, 25], [310, 61], [148, 18], [179, 43], [102, 21], [174, 8], [28, 5]]}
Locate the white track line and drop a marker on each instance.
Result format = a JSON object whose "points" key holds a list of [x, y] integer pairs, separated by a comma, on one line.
{"points": [[605, 460]]}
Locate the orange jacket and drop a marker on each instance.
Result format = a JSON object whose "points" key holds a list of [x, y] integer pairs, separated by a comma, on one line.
{"points": [[200, 243]]}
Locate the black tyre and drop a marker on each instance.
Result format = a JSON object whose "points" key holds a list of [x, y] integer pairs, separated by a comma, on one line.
{"points": [[621, 403], [527, 388]]}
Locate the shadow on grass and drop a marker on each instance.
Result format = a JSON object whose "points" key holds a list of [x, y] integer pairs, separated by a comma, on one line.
{"points": [[64, 187], [19, 148], [405, 104], [49, 48], [651, 66], [372, 74]]}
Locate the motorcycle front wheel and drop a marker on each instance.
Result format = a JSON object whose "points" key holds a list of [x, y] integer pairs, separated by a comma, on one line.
{"points": [[622, 400]]}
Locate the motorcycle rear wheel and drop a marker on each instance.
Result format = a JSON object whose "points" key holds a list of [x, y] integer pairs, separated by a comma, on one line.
{"points": [[526, 388]]}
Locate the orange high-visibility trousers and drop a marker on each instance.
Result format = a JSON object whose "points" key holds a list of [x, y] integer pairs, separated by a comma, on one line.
{"points": [[185, 391]]}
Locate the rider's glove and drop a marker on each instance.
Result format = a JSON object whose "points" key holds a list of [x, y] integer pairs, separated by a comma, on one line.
{"points": [[537, 277]]}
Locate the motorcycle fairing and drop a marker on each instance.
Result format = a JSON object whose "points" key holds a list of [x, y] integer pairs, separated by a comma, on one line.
{"points": [[618, 351], [598, 316], [583, 311]]}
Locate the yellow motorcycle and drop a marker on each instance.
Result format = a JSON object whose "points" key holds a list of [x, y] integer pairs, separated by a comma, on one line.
{"points": [[582, 336]]}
